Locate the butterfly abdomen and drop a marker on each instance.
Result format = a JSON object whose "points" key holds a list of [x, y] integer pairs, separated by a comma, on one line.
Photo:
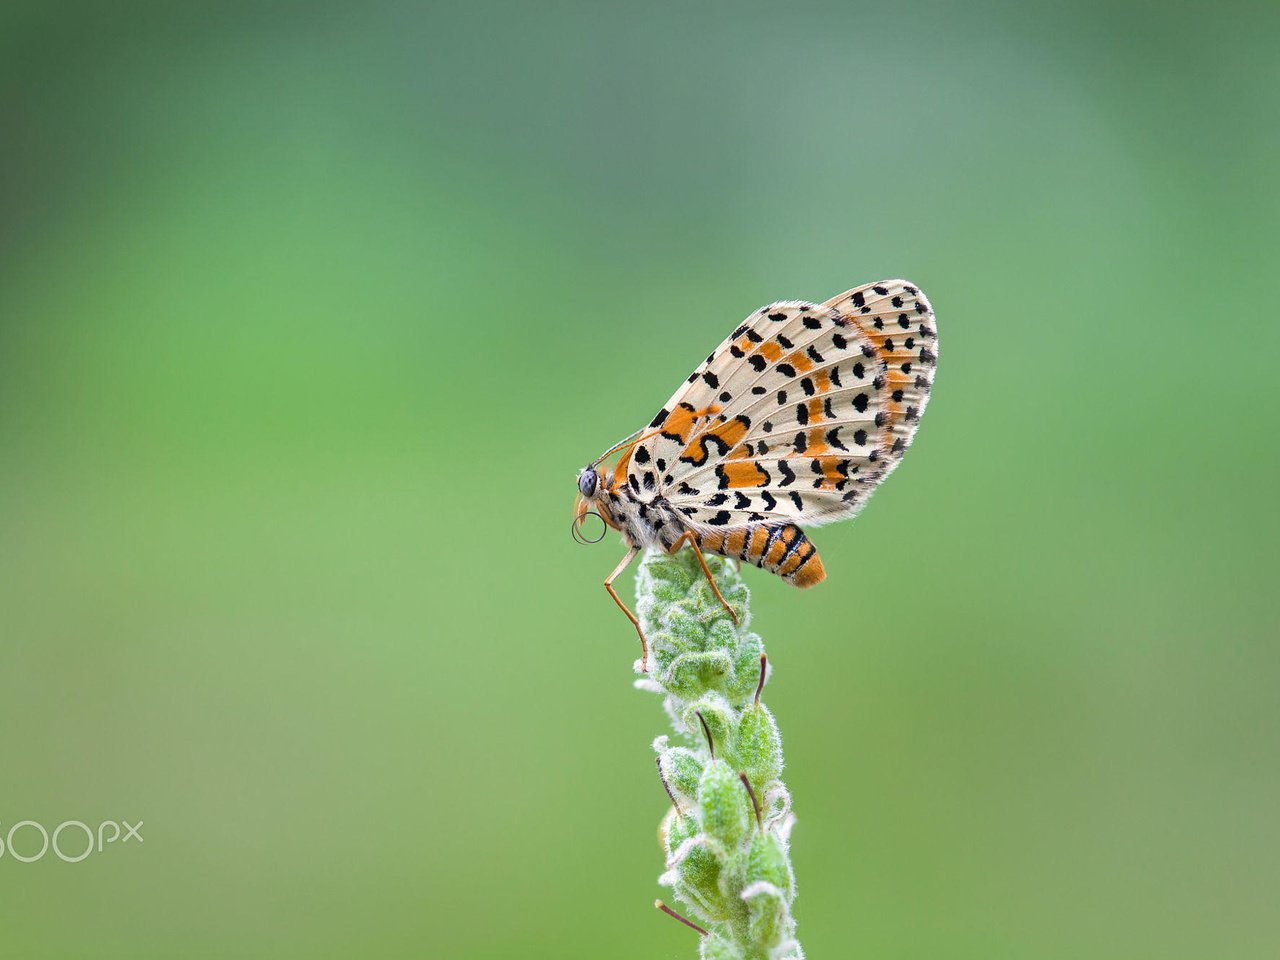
{"points": [[780, 548]]}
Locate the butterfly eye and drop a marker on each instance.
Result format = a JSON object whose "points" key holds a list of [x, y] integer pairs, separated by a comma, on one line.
{"points": [[587, 483]]}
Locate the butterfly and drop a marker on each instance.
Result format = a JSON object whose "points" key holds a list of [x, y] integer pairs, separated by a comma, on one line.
{"points": [[793, 421]]}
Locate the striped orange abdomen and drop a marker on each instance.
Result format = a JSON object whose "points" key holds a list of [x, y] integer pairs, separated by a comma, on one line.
{"points": [[779, 548]]}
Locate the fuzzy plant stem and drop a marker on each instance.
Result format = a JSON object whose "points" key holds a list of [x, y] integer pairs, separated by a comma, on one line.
{"points": [[725, 838]]}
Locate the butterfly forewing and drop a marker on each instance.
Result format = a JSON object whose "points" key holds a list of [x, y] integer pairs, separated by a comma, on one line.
{"points": [[692, 427], [787, 419]]}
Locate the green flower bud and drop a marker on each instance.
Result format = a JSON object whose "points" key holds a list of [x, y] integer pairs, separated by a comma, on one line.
{"points": [[759, 747], [684, 630], [681, 771], [711, 716], [767, 861], [766, 912], [691, 673], [713, 948], [722, 634], [675, 829], [746, 669], [695, 873], [724, 804]]}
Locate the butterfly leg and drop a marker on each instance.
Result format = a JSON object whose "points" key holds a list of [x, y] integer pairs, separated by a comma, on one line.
{"points": [[608, 585], [697, 550]]}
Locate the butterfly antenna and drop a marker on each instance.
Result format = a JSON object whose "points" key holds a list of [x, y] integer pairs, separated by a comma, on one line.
{"points": [[632, 438], [638, 437]]}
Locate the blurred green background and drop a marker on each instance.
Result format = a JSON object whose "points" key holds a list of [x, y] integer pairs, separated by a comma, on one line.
{"points": [[309, 314]]}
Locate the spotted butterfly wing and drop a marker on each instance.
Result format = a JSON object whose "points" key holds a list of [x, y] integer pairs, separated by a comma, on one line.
{"points": [[898, 320], [797, 416]]}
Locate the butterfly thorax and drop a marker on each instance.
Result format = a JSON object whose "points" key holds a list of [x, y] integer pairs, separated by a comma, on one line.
{"points": [[642, 523]]}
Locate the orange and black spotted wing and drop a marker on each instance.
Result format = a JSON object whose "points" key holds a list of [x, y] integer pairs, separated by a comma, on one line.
{"points": [[797, 416], [898, 320]]}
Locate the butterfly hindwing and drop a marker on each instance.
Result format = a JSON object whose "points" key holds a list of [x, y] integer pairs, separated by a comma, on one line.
{"points": [[899, 322]]}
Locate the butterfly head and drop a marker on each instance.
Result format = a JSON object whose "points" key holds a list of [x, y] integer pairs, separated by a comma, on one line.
{"points": [[591, 482], [588, 482], [594, 482]]}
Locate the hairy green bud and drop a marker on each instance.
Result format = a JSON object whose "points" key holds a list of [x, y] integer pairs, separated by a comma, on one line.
{"points": [[759, 747], [723, 804], [681, 771]]}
